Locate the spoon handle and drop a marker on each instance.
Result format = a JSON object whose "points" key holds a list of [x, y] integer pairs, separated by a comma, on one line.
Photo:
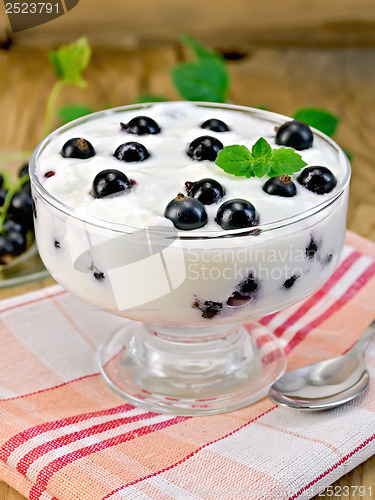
{"points": [[364, 340]]}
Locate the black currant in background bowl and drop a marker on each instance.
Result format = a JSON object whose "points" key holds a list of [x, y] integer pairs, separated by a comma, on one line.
{"points": [[19, 258]]}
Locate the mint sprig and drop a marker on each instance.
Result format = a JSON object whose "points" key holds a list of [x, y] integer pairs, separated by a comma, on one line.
{"points": [[261, 160]]}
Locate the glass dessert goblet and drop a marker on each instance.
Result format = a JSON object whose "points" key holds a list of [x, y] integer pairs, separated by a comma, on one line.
{"points": [[189, 344]]}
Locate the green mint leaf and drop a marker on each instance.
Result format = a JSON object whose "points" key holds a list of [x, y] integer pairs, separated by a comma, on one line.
{"points": [[261, 167], [69, 61], [261, 149], [71, 112], [199, 50], [261, 153], [285, 161], [144, 98], [203, 80], [319, 118], [236, 160]]}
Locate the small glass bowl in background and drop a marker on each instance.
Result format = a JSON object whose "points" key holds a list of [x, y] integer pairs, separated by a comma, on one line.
{"points": [[27, 267]]}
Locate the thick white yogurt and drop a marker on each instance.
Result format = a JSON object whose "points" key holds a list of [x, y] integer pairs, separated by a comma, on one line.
{"points": [[179, 281], [162, 176]]}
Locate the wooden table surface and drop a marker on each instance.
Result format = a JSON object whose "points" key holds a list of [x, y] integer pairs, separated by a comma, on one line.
{"points": [[282, 79]]}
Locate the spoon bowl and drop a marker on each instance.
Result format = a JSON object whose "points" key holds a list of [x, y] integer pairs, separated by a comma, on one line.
{"points": [[325, 384]]}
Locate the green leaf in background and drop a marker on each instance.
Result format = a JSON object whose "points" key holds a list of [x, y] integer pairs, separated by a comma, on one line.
{"points": [[319, 118], [69, 61], [203, 80], [71, 112], [236, 160], [144, 98], [285, 161], [199, 50]]}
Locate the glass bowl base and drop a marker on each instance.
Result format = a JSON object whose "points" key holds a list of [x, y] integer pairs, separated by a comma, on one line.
{"points": [[191, 370]]}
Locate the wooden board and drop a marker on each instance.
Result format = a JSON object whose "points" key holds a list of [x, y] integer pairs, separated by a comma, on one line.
{"points": [[281, 79], [223, 23]]}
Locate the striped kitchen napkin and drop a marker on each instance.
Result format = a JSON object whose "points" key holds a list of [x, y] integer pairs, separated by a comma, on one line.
{"points": [[65, 435]]}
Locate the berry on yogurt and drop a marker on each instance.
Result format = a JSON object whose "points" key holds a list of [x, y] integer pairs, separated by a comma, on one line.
{"points": [[110, 182], [141, 125], [207, 191], [186, 213], [215, 125], [78, 148], [237, 214], [319, 180], [204, 148], [295, 134], [280, 186], [131, 152]]}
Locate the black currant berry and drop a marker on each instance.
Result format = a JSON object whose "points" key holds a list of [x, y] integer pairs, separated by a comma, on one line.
{"points": [[237, 214], [18, 240], [20, 208], [311, 249], [208, 308], [207, 191], [186, 213], [110, 182], [11, 225], [215, 125], [319, 180], [204, 148], [280, 186], [141, 125], [245, 293], [288, 283], [131, 152], [98, 275], [295, 134], [78, 148]]}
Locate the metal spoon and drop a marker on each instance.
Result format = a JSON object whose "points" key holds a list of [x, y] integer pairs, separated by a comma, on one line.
{"points": [[326, 384]]}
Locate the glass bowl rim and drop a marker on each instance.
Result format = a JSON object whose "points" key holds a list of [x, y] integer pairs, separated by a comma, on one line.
{"points": [[276, 118]]}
